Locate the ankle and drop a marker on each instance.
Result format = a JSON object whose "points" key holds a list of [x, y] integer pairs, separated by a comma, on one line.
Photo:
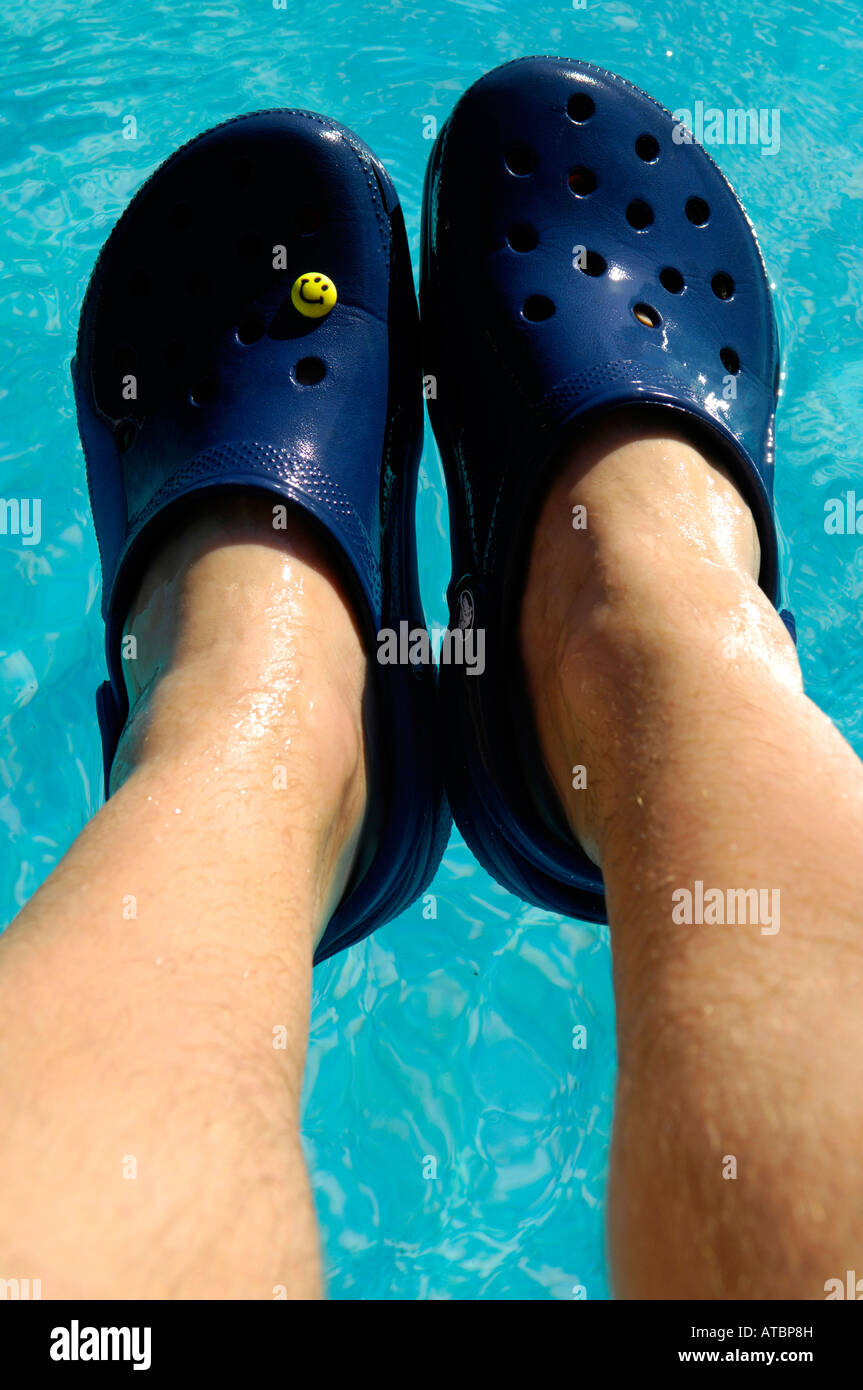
{"points": [[640, 611], [247, 686]]}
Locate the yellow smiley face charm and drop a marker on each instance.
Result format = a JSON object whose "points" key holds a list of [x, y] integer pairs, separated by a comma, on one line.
{"points": [[314, 295]]}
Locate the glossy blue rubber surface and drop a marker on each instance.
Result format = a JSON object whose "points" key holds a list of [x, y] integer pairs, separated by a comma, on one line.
{"points": [[581, 253], [195, 370], [445, 1037]]}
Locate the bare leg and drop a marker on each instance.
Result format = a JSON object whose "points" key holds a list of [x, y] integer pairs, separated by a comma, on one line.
{"points": [[154, 994], [657, 663]]}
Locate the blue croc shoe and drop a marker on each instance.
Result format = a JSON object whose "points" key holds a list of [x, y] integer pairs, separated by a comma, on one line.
{"points": [[251, 322], [580, 253]]}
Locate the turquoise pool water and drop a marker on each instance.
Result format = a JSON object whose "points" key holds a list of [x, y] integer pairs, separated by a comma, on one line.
{"points": [[446, 1039]]}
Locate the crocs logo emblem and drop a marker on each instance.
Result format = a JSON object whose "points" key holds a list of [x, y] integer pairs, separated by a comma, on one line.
{"points": [[313, 295]]}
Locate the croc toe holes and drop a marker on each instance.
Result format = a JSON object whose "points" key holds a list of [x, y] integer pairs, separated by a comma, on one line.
{"points": [[537, 307], [647, 315], [647, 148], [580, 107], [594, 264], [521, 160], [722, 285], [309, 371], [204, 391], [639, 214], [730, 360], [522, 237], [251, 328], [697, 211], [671, 280], [581, 181]]}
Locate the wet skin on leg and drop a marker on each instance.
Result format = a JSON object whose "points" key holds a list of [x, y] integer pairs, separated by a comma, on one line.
{"points": [[151, 1064], [656, 662]]}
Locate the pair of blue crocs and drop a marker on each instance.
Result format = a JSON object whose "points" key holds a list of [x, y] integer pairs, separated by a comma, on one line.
{"points": [[251, 323]]}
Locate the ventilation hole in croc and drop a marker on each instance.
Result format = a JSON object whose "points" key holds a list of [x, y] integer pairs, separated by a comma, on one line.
{"points": [[242, 171], [308, 219], [522, 237], [124, 435], [639, 214], [594, 264], [204, 390], [722, 285], [697, 211], [647, 148], [730, 360], [521, 160], [582, 181], [646, 314], [250, 329], [537, 307], [671, 280], [182, 217], [580, 107], [197, 285], [138, 285], [309, 371]]}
